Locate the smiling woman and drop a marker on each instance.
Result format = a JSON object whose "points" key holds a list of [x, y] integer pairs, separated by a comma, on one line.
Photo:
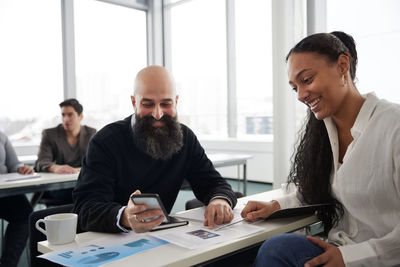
{"points": [[349, 140], [317, 67]]}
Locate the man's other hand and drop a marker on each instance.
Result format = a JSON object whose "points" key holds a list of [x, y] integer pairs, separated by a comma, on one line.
{"points": [[218, 211], [62, 169]]}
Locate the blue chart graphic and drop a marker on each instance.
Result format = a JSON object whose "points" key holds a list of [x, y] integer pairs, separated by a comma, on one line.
{"points": [[94, 255]]}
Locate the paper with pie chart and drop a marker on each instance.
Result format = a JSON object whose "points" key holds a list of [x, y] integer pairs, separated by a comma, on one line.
{"points": [[101, 251]]}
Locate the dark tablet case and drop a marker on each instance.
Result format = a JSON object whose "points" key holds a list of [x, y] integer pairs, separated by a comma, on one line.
{"points": [[298, 211]]}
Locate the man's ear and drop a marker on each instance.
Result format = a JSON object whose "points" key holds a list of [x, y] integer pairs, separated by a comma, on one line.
{"points": [[81, 116], [176, 100], [133, 101]]}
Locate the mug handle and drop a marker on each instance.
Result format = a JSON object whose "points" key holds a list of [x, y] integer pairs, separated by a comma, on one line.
{"points": [[38, 226]]}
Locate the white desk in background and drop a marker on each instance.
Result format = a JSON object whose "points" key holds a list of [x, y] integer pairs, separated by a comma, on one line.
{"points": [[172, 255], [225, 159], [218, 160], [46, 181]]}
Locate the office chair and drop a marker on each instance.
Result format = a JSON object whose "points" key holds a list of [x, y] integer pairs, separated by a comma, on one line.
{"points": [[44, 199], [35, 236], [195, 203]]}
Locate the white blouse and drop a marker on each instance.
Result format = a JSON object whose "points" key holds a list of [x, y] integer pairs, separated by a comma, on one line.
{"points": [[368, 186]]}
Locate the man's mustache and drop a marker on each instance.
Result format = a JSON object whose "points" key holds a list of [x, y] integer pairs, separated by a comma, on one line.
{"points": [[166, 118]]}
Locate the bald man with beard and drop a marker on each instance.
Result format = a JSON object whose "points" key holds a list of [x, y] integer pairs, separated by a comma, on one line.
{"points": [[147, 152]]}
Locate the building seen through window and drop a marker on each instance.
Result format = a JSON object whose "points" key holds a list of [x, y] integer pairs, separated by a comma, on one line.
{"points": [[110, 48], [31, 80], [198, 56]]}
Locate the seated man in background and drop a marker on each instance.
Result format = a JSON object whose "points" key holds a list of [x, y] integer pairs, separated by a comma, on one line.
{"points": [[148, 152], [63, 147], [14, 209]]}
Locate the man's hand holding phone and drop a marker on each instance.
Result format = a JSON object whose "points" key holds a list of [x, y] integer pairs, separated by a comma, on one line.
{"points": [[139, 218]]}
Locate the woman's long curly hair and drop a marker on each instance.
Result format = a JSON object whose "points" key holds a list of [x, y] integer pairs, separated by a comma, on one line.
{"points": [[313, 160]]}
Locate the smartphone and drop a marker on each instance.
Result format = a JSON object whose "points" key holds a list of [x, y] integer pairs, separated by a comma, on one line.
{"points": [[152, 201]]}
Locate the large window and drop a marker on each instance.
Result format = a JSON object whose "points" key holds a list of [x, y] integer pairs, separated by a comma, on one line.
{"points": [[197, 51], [110, 48], [198, 61], [376, 31], [253, 67], [30, 68]]}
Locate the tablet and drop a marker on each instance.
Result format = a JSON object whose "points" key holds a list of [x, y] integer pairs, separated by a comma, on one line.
{"points": [[298, 211]]}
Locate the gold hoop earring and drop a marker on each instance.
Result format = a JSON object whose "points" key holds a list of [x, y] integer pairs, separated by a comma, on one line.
{"points": [[343, 80]]}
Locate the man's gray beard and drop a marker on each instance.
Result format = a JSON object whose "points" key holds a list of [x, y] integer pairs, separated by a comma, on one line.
{"points": [[158, 142]]}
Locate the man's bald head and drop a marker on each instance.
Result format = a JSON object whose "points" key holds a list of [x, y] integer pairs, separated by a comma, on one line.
{"points": [[154, 78], [156, 128], [154, 93]]}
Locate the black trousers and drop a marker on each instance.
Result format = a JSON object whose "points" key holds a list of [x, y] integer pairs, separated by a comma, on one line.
{"points": [[15, 210], [60, 197], [244, 258]]}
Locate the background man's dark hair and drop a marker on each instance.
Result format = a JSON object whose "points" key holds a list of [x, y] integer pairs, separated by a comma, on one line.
{"points": [[72, 102]]}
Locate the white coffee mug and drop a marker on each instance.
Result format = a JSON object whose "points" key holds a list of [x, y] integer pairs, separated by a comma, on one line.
{"points": [[60, 228]]}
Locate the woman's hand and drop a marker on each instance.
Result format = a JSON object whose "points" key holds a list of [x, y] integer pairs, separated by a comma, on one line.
{"points": [[330, 258], [257, 209]]}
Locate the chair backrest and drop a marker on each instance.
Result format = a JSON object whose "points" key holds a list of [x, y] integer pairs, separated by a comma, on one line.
{"points": [[35, 236]]}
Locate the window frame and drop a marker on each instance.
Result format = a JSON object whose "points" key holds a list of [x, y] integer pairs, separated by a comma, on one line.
{"points": [[68, 37]]}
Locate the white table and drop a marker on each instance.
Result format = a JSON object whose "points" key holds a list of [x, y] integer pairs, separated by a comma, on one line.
{"points": [[172, 255], [47, 181], [225, 159]]}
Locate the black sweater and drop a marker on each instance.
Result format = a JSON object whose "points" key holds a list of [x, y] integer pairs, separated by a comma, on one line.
{"points": [[114, 167]]}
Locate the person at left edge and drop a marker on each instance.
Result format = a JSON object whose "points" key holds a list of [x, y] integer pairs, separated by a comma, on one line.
{"points": [[14, 209], [149, 152]]}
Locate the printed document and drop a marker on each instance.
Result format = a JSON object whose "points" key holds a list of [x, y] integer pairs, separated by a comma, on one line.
{"points": [[15, 176], [103, 250], [193, 237], [197, 215]]}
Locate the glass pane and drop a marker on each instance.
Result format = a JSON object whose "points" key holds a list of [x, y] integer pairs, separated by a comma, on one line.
{"points": [[110, 44], [30, 68], [253, 67], [167, 2], [377, 34], [198, 61]]}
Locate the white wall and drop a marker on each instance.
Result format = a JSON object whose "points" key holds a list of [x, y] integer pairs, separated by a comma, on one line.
{"points": [[259, 167], [26, 150]]}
